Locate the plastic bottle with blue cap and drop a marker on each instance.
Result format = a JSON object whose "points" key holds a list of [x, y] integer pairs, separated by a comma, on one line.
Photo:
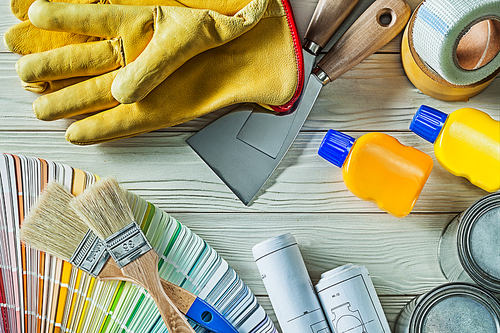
{"points": [[378, 168], [466, 143]]}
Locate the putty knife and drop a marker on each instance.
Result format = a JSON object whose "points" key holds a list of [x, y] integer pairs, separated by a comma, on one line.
{"points": [[237, 147], [230, 144]]}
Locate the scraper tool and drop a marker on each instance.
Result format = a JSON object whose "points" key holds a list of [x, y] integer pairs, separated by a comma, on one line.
{"points": [[245, 167], [252, 132], [266, 131]]}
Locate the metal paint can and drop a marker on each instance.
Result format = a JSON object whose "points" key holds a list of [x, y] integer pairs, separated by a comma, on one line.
{"points": [[451, 308], [469, 248]]}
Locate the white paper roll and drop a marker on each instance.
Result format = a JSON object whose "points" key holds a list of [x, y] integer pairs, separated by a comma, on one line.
{"points": [[440, 25], [350, 302], [289, 287]]}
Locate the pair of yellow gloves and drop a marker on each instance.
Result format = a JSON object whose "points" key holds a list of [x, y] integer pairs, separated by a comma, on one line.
{"points": [[141, 65]]}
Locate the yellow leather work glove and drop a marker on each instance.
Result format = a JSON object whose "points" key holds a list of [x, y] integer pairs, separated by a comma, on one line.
{"points": [[149, 42], [50, 40], [262, 66], [20, 7], [24, 38]]}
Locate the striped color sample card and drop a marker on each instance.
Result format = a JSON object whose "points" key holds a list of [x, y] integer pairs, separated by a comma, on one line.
{"points": [[40, 293]]}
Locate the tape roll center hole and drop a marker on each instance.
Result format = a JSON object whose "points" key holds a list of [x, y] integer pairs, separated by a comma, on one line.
{"points": [[385, 17], [479, 45]]}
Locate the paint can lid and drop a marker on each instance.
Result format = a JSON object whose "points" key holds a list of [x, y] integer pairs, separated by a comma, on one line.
{"points": [[335, 147], [479, 234], [456, 307], [428, 122]]}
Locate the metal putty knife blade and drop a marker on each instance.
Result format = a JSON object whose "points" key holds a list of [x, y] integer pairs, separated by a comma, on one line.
{"points": [[241, 167], [266, 131]]}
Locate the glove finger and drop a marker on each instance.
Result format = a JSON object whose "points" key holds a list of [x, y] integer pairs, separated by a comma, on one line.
{"points": [[166, 106], [88, 96], [87, 59], [106, 21], [24, 38], [187, 32], [20, 7], [51, 86], [149, 3], [223, 7], [122, 121]]}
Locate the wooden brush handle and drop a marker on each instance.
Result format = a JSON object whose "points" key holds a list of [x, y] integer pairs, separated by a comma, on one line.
{"points": [[180, 297], [110, 271], [327, 17], [144, 272], [367, 35]]}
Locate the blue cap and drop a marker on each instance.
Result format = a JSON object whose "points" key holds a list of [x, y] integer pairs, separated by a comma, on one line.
{"points": [[335, 147], [428, 122]]}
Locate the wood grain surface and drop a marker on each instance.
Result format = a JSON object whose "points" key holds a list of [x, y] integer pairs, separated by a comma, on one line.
{"points": [[304, 196]]}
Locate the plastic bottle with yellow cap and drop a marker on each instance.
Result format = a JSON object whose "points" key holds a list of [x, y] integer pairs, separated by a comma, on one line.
{"points": [[466, 143], [378, 168]]}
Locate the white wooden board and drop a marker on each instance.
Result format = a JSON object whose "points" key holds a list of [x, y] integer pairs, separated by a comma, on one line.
{"points": [[304, 196]]}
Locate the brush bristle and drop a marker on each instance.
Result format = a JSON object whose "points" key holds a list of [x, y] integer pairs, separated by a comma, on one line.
{"points": [[104, 207], [51, 225]]}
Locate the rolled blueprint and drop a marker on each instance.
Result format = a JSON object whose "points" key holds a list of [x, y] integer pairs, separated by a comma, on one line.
{"points": [[288, 285], [350, 302]]}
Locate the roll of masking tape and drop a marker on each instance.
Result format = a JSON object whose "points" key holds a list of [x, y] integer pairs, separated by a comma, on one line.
{"points": [[476, 47], [439, 27]]}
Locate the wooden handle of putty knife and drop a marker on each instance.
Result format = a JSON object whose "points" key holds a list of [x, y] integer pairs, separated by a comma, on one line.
{"points": [[378, 25], [144, 271], [327, 17]]}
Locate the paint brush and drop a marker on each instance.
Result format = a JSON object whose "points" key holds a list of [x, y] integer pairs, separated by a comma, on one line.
{"points": [[103, 206], [54, 227]]}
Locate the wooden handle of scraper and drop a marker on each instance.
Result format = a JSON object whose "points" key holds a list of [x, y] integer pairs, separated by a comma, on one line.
{"points": [[327, 17], [379, 24]]}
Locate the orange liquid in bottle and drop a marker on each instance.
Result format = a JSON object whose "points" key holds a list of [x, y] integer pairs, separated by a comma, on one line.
{"points": [[378, 168]]}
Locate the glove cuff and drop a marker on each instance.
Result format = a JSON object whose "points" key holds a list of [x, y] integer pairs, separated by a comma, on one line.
{"points": [[299, 58]]}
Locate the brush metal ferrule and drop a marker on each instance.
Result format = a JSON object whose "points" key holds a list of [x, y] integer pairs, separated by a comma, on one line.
{"points": [[90, 255], [127, 244]]}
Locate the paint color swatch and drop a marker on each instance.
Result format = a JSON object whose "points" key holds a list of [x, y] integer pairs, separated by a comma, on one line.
{"points": [[40, 293]]}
